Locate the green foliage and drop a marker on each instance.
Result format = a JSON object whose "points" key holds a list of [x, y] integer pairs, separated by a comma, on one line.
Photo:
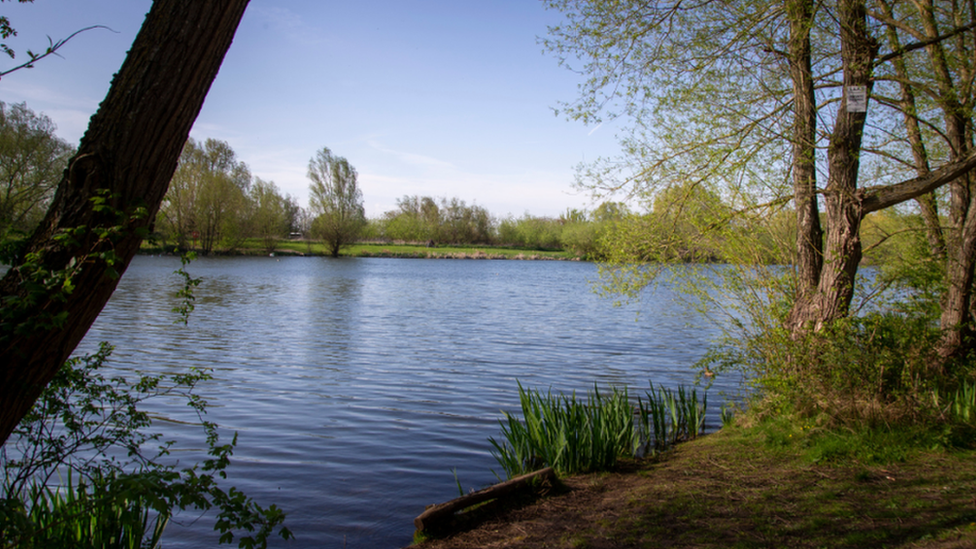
{"points": [[421, 219], [575, 436], [867, 445], [91, 428], [962, 407], [867, 370], [537, 233], [207, 202], [269, 217], [19, 313], [32, 159], [670, 416], [185, 294], [335, 200]]}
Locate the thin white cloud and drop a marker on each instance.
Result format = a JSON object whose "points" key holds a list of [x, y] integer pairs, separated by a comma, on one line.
{"points": [[289, 24], [69, 113], [411, 158]]}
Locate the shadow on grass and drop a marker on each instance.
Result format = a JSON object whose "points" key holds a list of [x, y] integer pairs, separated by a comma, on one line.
{"points": [[732, 489]]}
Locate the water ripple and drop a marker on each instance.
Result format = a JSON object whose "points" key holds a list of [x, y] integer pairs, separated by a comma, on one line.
{"points": [[357, 385]]}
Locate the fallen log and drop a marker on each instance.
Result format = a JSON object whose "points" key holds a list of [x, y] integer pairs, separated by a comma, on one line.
{"points": [[441, 517]]}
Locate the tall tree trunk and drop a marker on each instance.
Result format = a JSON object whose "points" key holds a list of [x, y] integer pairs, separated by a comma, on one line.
{"points": [[907, 105], [809, 235], [842, 252], [956, 320], [109, 194]]}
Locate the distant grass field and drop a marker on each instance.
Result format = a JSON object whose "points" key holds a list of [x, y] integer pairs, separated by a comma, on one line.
{"points": [[302, 247]]}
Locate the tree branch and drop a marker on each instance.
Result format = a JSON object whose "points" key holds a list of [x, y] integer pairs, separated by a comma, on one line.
{"points": [[923, 44], [51, 49], [880, 197]]}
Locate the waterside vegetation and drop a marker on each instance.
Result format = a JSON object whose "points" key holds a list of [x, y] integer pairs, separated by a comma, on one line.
{"points": [[579, 436], [770, 484]]}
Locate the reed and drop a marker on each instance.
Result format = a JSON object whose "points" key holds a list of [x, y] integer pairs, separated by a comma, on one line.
{"points": [[91, 516], [670, 416], [963, 404], [577, 436]]}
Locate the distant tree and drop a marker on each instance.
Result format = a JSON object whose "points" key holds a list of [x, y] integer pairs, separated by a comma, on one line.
{"points": [[610, 211], [585, 234], [269, 218], [540, 233], [31, 161], [335, 201], [293, 214], [463, 224], [406, 223], [207, 199]]}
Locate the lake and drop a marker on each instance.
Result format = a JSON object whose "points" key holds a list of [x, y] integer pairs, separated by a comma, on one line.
{"points": [[357, 386]]}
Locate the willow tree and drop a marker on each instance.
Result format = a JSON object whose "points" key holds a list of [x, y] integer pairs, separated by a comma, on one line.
{"points": [[335, 201], [109, 194], [768, 101]]}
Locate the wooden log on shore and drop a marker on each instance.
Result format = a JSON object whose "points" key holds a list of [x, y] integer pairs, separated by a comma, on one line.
{"points": [[440, 517]]}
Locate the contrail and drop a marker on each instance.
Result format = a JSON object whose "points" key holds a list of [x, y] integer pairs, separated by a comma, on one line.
{"points": [[595, 129]]}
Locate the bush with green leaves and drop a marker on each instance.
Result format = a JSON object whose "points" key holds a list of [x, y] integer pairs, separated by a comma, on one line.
{"points": [[89, 432]]}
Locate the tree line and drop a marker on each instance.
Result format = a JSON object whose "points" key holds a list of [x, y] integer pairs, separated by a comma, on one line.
{"points": [[214, 204]]}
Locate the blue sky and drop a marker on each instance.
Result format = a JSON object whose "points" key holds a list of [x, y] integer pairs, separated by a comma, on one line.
{"points": [[443, 98]]}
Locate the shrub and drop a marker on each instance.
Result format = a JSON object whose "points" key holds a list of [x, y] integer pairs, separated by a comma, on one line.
{"points": [[89, 429]]}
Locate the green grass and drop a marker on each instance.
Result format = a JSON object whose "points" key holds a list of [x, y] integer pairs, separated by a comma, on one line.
{"points": [[287, 247]]}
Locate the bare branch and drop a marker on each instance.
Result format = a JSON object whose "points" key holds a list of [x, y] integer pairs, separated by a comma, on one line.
{"points": [[51, 49]]}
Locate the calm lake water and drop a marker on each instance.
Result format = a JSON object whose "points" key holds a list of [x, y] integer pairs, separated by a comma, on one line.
{"points": [[358, 385]]}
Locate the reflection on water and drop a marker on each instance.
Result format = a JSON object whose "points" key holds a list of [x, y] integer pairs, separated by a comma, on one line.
{"points": [[357, 385]]}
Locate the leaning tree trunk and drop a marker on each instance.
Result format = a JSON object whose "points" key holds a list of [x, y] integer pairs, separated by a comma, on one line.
{"points": [[108, 195]]}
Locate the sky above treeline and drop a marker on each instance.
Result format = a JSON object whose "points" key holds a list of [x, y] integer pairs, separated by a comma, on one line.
{"points": [[442, 98]]}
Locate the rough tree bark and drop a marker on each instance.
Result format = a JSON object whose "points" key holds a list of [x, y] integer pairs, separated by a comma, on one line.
{"points": [[809, 234], [846, 205], [957, 311], [908, 105], [842, 251], [108, 195]]}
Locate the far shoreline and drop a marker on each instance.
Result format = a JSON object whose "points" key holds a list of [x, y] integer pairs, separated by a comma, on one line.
{"points": [[293, 248]]}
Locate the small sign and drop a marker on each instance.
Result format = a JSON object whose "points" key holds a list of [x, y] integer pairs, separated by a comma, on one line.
{"points": [[857, 99]]}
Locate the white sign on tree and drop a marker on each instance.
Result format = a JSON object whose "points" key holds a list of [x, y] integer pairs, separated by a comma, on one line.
{"points": [[857, 99]]}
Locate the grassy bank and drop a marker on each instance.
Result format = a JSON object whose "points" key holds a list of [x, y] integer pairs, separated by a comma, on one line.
{"points": [[301, 247], [771, 485]]}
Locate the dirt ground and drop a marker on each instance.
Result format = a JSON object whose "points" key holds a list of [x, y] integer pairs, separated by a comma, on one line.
{"points": [[719, 491]]}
